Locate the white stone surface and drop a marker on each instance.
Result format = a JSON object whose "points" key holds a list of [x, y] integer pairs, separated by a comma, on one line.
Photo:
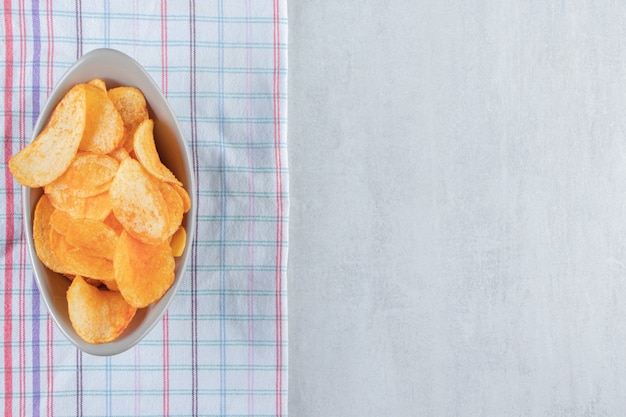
{"points": [[458, 208]]}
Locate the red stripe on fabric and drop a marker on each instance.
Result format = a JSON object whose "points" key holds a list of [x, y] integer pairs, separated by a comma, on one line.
{"points": [[8, 265], [279, 216], [49, 325], [22, 273]]}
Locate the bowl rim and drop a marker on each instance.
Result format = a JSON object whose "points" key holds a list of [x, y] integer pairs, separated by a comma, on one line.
{"points": [[60, 88]]}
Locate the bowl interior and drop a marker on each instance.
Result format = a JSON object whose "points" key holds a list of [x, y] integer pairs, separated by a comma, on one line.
{"points": [[116, 69]]}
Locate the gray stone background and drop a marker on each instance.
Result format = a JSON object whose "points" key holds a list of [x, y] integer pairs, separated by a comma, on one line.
{"points": [[458, 208]]}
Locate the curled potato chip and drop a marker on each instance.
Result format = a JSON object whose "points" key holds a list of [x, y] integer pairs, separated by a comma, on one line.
{"points": [[179, 239], [95, 282], [138, 203], [184, 196], [147, 154], [94, 237], [174, 207], [104, 128], [96, 207], [111, 285], [41, 234], [60, 221], [88, 174], [131, 104], [99, 83], [78, 261], [143, 272], [98, 316], [52, 151], [120, 154], [113, 223]]}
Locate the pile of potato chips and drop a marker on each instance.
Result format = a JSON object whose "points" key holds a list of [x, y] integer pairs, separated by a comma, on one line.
{"points": [[110, 218]]}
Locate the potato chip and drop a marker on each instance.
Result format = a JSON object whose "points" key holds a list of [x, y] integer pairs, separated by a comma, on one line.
{"points": [[111, 285], [184, 196], [66, 202], [147, 154], [52, 151], [113, 223], [60, 221], [138, 204], [120, 154], [131, 104], [96, 207], [99, 83], [41, 234], [78, 261], [143, 272], [179, 239], [104, 128], [88, 174], [95, 237], [174, 207], [98, 316], [95, 282]]}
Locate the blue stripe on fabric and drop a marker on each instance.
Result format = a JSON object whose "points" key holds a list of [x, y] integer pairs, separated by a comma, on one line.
{"points": [[221, 116], [36, 309]]}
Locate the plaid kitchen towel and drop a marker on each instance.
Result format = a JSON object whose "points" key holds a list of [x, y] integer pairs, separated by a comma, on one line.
{"points": [[221, 348]]}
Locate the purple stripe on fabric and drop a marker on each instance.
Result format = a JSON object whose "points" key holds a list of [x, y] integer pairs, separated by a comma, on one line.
{"points": [[79, 29], [79, 383], [35, 303], [79, 354], [136, 369], [194, 252]]}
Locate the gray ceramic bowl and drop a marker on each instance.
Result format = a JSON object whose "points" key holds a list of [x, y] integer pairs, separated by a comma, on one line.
{"points": [[116, 69]]}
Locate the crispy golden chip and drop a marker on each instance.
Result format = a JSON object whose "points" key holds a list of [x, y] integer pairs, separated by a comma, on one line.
{"points": [[184, 196], [69, 203], [174, 207], [113, 223], [77, 261], [98, 316], [179, 239], [49, 155], [131, 104], [104, 129], [112, 285], [147, 154], [96, 207], [60, 221], [94, 237], [97, 82], [120, 154], [138, 204], [143, 272], [41, 234], [88, 174], [95, 282]]}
